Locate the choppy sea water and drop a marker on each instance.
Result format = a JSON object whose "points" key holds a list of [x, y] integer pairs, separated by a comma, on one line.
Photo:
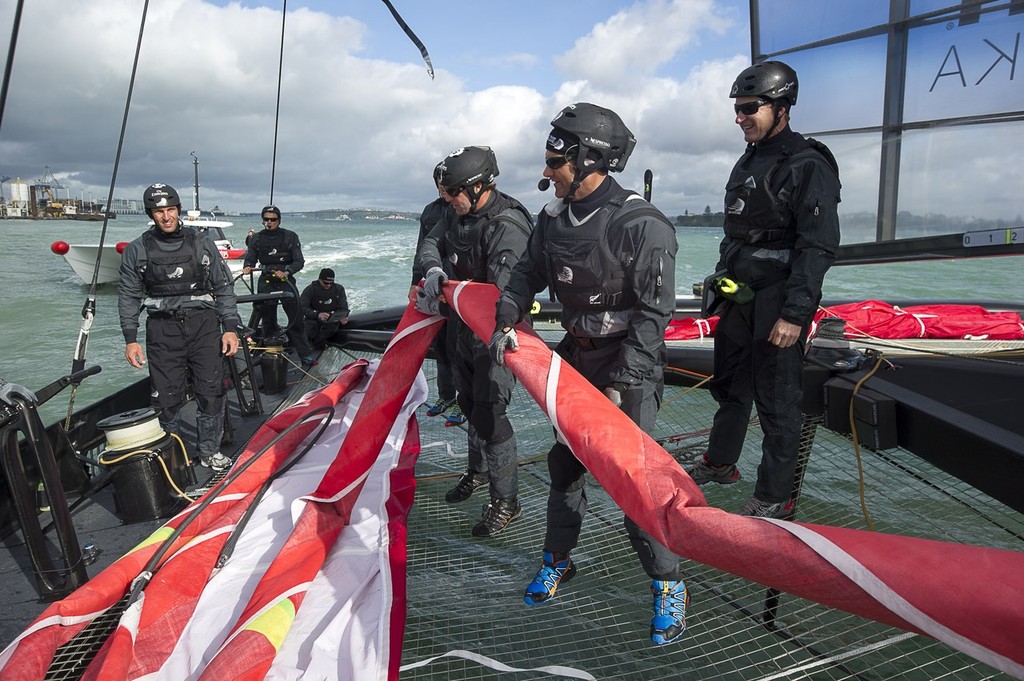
{"points": [[42, 310]]}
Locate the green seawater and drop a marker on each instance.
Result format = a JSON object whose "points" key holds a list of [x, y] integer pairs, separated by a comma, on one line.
{"points": [[44, 298]]}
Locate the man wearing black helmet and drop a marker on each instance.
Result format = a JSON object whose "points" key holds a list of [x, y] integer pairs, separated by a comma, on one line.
{"points": [[609, 257], [280, 253], [178, 276], [781, 237], [444, 342], [324, 307], [479, 238]]}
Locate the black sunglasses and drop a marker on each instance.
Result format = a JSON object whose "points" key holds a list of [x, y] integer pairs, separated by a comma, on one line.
{"points": [[271, 219], [555, 162], [750, 108], [453, 191]]}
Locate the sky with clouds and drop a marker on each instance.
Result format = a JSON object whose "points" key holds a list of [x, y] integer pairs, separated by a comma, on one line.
{"points": [[361, 122]]}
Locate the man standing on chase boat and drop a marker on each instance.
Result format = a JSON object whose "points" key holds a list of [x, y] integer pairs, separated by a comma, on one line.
{"points": [[177, 274]]}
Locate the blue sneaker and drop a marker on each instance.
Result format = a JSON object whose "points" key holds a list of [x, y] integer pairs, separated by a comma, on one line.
{"points": [[440, 407], [455, 417], [551, 574], [670, 602]]}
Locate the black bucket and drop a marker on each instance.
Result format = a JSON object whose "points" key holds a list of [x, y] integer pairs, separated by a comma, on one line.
{"points": [[136, 446], [275, 372]]}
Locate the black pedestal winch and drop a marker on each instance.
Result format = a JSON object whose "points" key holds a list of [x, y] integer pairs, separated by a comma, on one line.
{"points": [[149, 465]]}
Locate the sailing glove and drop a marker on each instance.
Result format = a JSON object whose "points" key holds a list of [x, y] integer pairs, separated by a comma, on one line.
{"points": [[426, 304], [433, 280], [614, 393], [502, 341]]}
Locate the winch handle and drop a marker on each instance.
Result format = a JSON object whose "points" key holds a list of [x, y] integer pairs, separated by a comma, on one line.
{"points": [[44, 394]]}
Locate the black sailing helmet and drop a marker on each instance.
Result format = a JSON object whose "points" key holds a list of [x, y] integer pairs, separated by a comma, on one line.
{"points": [[603, 137], [603, 140], [160, 196], [465, 168], [772, 80]]}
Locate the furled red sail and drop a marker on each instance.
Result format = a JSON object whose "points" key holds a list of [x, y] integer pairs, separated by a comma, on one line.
{"points": [[237, 620], [969, 597]]}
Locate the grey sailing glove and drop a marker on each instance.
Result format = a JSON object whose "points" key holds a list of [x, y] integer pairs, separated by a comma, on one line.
{"points": [[426, 304], [502, 341], [432, 282], [614, 393]]}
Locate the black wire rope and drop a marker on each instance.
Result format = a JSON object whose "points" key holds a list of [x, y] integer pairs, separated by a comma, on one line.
{"points": [[89, 308], [10, 59], [412, 37], [277, 106]]}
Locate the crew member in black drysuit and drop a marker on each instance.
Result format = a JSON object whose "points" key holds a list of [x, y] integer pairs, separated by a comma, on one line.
{"points": [[177, 274], [279, 252], [480, 239], [324, 307], [609, 258], [444, 342], [781, 237]]}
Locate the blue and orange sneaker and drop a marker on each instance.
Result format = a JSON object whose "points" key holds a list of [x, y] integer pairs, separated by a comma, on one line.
{"points": [[551, 574], [440, 407], [455, 417], [671, 599]]}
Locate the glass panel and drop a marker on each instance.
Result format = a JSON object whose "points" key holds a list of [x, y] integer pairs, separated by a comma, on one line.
{"points": [[791, 23], [962, 70], [919, 7], [841, 86], [956, 179], [859, 158]]}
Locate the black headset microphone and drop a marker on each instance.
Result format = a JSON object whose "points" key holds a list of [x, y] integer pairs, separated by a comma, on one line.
{"points": [[544, 184]]}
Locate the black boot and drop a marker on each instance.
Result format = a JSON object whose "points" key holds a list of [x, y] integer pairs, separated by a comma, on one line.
{"points": [[497, 515], [464, 488]]}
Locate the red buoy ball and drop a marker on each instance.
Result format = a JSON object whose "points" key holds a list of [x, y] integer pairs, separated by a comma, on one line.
{"points": [[60, 247], [121, 245]]}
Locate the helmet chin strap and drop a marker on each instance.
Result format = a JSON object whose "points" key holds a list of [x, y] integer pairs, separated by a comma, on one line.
{"points": [[474, 196], [578, 173], [778, 119]]}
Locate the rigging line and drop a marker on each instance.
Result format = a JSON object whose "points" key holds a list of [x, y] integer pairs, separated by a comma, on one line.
{"points": [[412, 37], [10, 59], [89, 309], [277, 106]]}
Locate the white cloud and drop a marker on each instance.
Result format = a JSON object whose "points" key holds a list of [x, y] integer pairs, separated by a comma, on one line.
{"points": [[354, 130]]}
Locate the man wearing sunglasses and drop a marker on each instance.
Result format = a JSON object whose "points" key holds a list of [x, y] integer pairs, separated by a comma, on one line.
{"points": [[609, 258], [478, 238], [279, 252], [781, 237], [178, 276]]}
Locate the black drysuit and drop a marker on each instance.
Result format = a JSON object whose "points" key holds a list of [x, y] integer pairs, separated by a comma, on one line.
{"points": [[782, 233]]}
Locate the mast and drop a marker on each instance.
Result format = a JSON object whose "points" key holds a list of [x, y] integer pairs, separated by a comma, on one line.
{"points": [[195, 190]]}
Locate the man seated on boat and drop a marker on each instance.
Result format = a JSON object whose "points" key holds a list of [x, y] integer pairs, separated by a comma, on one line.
{"points": [[324, 307], [781, 237], [609, 257], [479, 239], [279, 252], [178, 276]]}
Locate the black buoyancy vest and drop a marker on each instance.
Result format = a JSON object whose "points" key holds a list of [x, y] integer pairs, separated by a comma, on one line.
{"points": [[753, 211], [588, 264], [274, 248], [175, 273], [325, 300], [464, 242]]}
